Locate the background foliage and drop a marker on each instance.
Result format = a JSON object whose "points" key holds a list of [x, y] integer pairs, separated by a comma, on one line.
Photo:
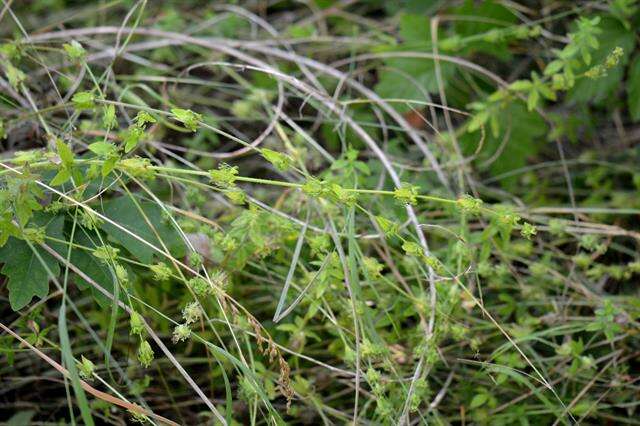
{"points": [[281, 212]]}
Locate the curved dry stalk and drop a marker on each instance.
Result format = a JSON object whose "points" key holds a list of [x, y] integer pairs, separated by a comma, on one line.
{"points": [[228, 47], [262, 136]]}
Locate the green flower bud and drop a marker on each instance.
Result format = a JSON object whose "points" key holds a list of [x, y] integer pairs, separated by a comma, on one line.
{"points": [[136, 324], [145, 354], [86, 368]]}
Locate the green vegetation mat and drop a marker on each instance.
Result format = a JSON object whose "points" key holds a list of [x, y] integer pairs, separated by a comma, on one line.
{"points": [[332, 212]]}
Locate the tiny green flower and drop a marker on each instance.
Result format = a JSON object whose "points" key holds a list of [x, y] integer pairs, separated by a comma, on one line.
{"points": [[138, 167], [143, 117], [407, 193], [342, 195], [161, 271], [319, 243], [469, 204], [314, 187], [507, 217], [74, 50], [187, 117], [582, 260], [191, 313], [388, 227], [89, 219], [528, 230], [181, 333], [237, 196], [86, 368], [200, 286], [413, 249], [136, 324], [373, 267], [556, 227], [595, 72], [34, 235], [434, 263], [242, 108], [219, 278], [614, 57], [106, 253], [195, 260], [224, 176], [109, 120], [145, 354]]}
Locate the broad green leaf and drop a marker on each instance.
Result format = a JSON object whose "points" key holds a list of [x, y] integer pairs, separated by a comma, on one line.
{"points": [[477, 18], [301, 31], [124, 211], [27, 274], [411, 6], [526, 132], [412, 78], [583, 407], [24, 194], [7, 228], [415, 29], [94, 268]]}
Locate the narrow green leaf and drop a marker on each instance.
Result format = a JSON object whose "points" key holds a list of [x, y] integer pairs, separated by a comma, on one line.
{"points": [[633, 89], [479, 400], [83, 100], [103, 148], [61, 177], [65, 153]]}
